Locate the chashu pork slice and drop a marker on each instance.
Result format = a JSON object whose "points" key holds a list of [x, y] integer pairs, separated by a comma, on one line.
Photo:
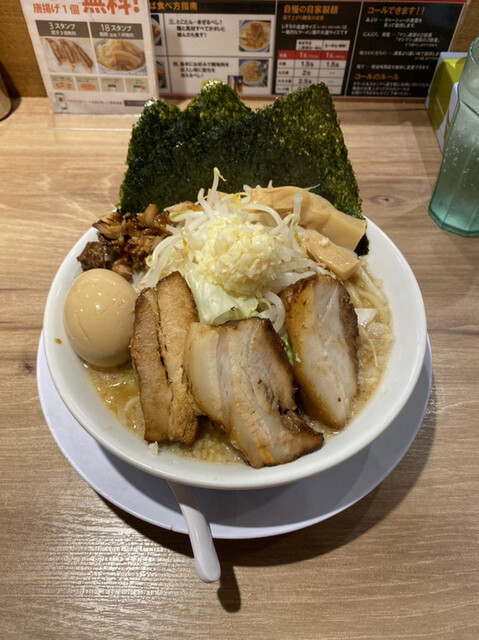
{"points": [[163, 316], [241, 379], [155, 392], [322, 328]]}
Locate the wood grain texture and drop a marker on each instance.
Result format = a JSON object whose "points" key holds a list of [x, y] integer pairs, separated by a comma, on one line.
{"points": [[18, 63], [400, 564]]}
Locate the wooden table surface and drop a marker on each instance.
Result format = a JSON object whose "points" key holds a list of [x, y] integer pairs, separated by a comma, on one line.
{"points": [[400, 564]]}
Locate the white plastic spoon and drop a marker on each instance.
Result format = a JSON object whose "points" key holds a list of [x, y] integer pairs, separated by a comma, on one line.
{"points": [[207, 565]]}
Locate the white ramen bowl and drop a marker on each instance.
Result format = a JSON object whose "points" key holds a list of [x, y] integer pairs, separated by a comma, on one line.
{"points": [[406, 359]]}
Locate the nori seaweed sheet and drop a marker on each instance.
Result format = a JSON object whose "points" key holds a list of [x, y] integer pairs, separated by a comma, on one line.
{"points": [[297, 140], [152, 176]]}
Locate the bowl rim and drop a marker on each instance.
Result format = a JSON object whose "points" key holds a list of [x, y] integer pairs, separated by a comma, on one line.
{"points": [[119, 441]]}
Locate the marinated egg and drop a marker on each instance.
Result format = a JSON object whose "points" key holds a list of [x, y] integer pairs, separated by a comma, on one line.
{"points": [[98, 316]]}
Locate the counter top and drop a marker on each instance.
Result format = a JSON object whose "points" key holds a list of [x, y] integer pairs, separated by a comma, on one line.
{"points": [[400, 563]]}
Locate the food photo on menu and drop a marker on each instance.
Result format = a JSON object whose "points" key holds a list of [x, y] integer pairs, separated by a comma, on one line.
{"points": [[254, 35], [71, 55], [119, 55], [254, 73], [161, 72], [156, 30]]}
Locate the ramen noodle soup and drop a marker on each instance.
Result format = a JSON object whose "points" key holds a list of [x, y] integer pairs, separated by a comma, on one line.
{"points": [[119, 55], [254, 35], [251, 72], [118, 387], [233, 290]]}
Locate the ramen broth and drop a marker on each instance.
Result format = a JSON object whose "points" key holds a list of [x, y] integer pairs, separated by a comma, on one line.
{"points": [[118, 388]]}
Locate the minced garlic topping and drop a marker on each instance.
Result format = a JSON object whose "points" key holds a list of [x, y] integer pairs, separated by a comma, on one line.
{"points": [[239, 256]]}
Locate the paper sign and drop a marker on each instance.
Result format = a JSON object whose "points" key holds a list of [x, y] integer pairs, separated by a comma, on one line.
{"points": [[95, 56], [357, 48]]}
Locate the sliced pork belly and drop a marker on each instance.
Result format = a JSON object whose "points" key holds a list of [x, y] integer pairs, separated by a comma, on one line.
{"points": [[241, 379], [322, 328], [155, 392], [163, 316], [177, 312]]}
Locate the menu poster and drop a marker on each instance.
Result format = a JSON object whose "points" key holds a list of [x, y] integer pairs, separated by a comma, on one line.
{"points": [[357, 48], [95, 56], [227, 40], [314, 44], [398, 45]]}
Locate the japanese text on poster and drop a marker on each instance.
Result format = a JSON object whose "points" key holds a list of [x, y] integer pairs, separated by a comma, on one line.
{"points": [[381, 49], [95, 56]]}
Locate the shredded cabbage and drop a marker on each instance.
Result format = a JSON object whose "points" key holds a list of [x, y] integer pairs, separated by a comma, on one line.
{"points": [[235, 255], [217, 306]]}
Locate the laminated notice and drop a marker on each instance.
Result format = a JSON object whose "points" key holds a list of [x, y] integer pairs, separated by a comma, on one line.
{"points": [[95, 56]]}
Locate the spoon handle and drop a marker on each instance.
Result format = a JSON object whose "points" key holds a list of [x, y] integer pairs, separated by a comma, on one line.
{"points": [[207, 565]]}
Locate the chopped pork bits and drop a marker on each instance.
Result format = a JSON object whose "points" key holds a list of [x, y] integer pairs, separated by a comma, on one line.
{"points": [[124, 242]]}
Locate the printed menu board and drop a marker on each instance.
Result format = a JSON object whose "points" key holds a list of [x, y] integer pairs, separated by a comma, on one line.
{"points": [[110, 56], [95, 56], [230, 41], [361, 49]]}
